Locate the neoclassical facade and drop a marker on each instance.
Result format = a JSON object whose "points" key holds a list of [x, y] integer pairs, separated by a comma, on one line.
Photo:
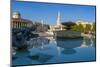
{"points": [[20, 23]]}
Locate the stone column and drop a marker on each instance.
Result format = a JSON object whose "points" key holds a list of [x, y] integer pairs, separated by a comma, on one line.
{"points": [[16, 25]]}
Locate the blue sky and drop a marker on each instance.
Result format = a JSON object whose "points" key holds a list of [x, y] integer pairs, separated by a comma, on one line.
{"points": [[48, 12]]}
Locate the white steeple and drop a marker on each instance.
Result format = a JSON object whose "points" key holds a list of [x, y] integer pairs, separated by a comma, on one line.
{"points": [[58, 19], [42, 22]]}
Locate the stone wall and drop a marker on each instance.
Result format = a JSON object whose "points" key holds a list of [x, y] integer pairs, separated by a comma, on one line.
{"points": [[67, 34]]}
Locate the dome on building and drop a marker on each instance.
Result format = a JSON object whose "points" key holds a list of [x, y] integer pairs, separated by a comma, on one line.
{"points": [[16, 12], [16, 15]]}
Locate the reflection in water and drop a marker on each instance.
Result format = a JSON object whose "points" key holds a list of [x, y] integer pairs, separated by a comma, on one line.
{"points": [[87, 42], [41, 57], [93, 40], [68, 46], [38, 42], [69, 51], [24, 53], [53, 50], [22, 58], [69, 43]]}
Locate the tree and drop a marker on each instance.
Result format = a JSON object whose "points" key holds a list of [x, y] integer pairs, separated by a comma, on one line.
{"points": [[88, 28], [79, 28], [94, 27], [68, 25], [75, 28]]}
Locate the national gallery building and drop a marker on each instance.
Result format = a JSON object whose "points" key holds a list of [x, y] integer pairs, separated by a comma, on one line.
{"points": [[20, 23]]}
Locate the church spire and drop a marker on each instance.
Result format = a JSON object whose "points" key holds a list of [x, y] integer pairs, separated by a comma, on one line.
{"points": [[58, 19]]}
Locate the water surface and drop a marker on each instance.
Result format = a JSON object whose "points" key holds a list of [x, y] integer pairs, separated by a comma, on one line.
{"points": [[44, 50]]}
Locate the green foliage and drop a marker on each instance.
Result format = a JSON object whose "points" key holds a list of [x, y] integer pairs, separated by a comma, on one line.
{"points": [[78, 28], [75, 28], [68, 25], [81, 28], [94, 27], [88, 28]]}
